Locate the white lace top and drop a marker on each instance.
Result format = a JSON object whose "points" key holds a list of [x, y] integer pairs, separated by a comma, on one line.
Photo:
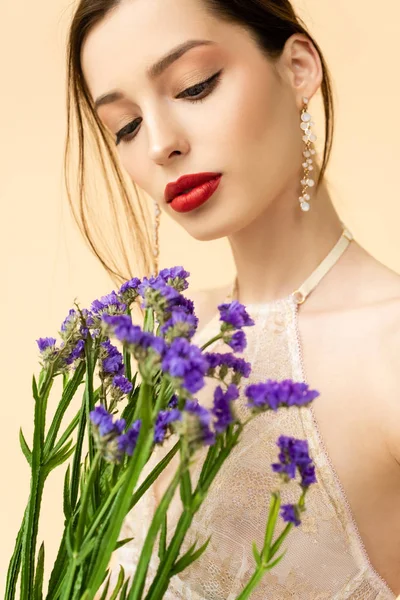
{"points": [[325, 558]]}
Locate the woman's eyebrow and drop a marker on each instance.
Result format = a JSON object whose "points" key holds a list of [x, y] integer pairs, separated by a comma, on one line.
{"points": [[155, 70]]}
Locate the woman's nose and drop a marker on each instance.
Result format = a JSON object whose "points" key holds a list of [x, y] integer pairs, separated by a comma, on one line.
{"points": [[166, 139]]}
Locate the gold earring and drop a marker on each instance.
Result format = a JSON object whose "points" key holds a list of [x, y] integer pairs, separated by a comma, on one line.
{"points": [[156, 234], [308, 138]]}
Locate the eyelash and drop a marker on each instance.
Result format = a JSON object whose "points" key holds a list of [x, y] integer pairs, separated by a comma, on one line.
{"points": [[209, 85]]}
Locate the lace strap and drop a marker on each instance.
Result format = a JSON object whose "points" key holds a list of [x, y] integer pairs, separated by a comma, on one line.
{"points": [[302, 293]]}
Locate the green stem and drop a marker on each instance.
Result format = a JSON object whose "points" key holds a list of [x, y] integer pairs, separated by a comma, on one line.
{"points": [[161, 580], [38, 478], [253, 582], [137, 462], [214, 339], [85, 501]]}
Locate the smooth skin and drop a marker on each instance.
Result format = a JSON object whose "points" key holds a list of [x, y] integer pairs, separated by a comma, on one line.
{"points": [[247, 127]]}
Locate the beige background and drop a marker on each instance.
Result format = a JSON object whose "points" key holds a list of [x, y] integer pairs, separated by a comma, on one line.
{"points": [[45, 264]]}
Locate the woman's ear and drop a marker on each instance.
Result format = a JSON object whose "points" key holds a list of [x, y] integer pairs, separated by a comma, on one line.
{"points": [[301, 66]]}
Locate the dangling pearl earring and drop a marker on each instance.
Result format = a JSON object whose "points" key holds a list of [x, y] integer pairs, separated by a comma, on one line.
{"points": [[308, 138]]}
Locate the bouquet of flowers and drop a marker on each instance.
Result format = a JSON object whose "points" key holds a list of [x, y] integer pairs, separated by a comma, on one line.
{"points": [[123, 416]]}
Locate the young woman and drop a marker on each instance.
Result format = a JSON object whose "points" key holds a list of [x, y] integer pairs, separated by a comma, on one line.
{"points": [[214, 96]]}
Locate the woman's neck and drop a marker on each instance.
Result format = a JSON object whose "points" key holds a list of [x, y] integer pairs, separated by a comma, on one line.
{"points": [[276, 253]]}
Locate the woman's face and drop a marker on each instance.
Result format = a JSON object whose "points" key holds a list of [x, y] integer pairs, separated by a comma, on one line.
{"points": [[244, 123]]}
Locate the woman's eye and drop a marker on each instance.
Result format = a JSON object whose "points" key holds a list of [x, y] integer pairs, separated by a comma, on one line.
{"points": [[205, 86], [196, 93], [126, 132]]}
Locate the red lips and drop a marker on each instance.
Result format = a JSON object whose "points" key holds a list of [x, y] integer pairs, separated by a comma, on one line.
{"points": [[187, 183]]}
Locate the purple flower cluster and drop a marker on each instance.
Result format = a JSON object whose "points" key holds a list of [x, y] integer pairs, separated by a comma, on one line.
{"points": [[185, 364], [234, 315], [111, 304], [176, 277], [222, 408], [127, 441], [111, 359], [181, 324], [162, 294], [222, 364], [291, 514], [129, 291], [77, 352], [46, 344], [164, 419], [132, 335], [197, 420], [294, 457], [109, 436], [275, 394], [122, 384]]}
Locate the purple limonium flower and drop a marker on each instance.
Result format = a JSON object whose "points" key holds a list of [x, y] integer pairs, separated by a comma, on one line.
{"points": [[222, 408], [185, 364], [112, 360], [275, 394], [110, 304], [293, 456], [48, 351], [163, 298], [127, 441], [181, 324], [234, 316], [129, 291], [222, 364], [69, 324], [105, 423], [173, 403], [176, 277], [77, 353], [145, 346], [290, 514], [197, 422], [164, 419], [237, 341], [45, 343], [106, 433], [122, 383]]}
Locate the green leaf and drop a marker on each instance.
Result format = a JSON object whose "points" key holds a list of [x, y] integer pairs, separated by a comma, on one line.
{"points": [[124, 590], [105, 591], [76, 467], [120, 582], [58, 571], [121, 543], [67, 395], [273, 564], [38, 586], [66, 495], [278, 543], [25, 448], [271, 524], [155, 473], [189, 558], [84, 550], [60, 457], [35, 388], [147, 548], [256, 554], [77, 591], [162, 546], [14, 565]]}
